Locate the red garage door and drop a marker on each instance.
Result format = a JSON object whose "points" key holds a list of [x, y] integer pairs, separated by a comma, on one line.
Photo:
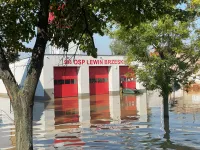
{"points": [[65, 82], [98, 80], [127, 77]]}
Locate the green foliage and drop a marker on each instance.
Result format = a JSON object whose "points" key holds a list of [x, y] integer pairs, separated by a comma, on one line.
{"points": [[12, 57], [118, 47], [167, 49], [17, 25], [75, 21]]}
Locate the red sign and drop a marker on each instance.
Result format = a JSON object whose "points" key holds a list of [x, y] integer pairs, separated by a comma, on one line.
{"points": [[93, 62]]}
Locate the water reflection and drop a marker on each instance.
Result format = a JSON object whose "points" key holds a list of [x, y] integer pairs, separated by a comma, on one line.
{"points": [[84, 112], [66, 110], [128, 107], [99, 108], [115, 109], [168, 144], [109, 122]]}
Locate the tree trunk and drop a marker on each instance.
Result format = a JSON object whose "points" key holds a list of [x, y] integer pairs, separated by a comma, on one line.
{"points": [[166, 128], [166, 104], [23, 113], [22, 99]]}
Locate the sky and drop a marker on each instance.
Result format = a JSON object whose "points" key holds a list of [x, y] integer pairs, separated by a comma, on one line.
{"points": [[101, 42]]}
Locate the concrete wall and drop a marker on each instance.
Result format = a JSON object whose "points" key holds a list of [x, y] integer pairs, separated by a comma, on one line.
{"points": [[2, 88], [114, 80], [154, 99], [19, 70], [83, 81]]}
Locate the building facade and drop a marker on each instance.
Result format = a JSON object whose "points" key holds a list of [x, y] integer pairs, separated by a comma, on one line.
{"points": [[80, 75]]}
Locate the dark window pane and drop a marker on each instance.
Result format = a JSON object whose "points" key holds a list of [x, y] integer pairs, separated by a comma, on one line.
{"points": [[68, 112], [60, 82], [67, 81], [73, 111], [101, 80], [55, 82], [92, 80], [105, 79], [72, 81]]}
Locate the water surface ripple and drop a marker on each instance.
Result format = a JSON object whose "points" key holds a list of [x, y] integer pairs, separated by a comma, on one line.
{"points": [[108, 122]]}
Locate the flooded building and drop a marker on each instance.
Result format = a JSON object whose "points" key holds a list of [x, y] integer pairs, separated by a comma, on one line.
{"points": [[70, 76]]}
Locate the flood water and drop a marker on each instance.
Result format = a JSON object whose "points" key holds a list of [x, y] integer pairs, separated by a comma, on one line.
{"points": [[109, 122]]}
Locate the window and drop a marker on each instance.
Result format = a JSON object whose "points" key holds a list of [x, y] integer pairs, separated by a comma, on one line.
{"points": [[55, 82], [67, 81], [100, 80], [92, 80], [122, 79], [60, 81]]}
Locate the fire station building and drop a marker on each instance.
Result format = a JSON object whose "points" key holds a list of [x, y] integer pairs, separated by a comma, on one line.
{"points": [[80, 75]]}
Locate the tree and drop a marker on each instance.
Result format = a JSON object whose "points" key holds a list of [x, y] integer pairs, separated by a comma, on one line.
{"points": [[168, 51], [118, 47], [73, 21]]}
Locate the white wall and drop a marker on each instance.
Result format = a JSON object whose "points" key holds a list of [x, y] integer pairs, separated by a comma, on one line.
{"points": [[154, 99], [6, 110], [2, 88], [114, 80], [83, 80], [19, 70]]}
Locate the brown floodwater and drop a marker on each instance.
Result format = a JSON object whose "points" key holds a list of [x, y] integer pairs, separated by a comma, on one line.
{"points": [[109, 122]]}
